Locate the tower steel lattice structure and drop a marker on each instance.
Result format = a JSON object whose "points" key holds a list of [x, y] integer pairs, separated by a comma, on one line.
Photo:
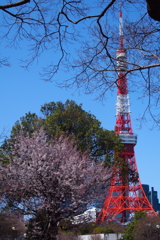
{"points": [[125, 196]]}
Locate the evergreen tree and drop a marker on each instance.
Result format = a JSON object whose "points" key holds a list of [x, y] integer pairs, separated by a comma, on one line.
{"points": [[70, 119]]}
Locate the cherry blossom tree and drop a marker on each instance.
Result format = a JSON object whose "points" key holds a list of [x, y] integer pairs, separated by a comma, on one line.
{"points": [[52, 178]]}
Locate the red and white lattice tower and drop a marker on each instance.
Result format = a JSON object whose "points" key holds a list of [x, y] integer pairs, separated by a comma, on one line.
{"points": [[125, 196]]}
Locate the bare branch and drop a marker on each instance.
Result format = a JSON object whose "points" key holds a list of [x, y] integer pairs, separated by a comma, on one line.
{"points": [[16, 4], [83, 36]]}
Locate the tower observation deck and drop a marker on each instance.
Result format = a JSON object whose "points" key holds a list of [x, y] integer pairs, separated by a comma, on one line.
{"points": [[125, 194]]}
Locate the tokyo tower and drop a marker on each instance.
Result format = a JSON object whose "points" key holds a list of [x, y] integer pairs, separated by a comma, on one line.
{"points": [[125, 196]]}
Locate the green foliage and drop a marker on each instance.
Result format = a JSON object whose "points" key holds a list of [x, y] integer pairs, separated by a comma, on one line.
{"points": [[4, 147], [104, 230], [27, 124], [138, 215], [70, 119], [129, 230], [5, 160], [128, 233], [65, 225], [86, 228], [123, 169]]}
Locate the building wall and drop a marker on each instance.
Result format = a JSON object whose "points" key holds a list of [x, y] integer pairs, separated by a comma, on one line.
{"points": [[152, 197], [109, 236]]}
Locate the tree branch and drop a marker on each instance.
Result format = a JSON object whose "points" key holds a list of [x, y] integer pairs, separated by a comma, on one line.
{"points": [[99, 16], [16, 4]]}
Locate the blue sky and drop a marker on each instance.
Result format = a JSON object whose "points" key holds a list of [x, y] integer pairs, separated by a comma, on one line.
{"points": [[23, 91]]}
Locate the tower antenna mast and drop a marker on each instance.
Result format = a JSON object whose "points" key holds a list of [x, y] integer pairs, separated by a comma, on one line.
{"points": [[120, 27]]}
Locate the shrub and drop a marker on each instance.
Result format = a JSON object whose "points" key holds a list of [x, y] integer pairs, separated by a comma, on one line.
{"points": [[99, 230]]}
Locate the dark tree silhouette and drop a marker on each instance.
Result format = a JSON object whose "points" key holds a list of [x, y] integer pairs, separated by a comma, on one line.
{"points": [[153, 7]]}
